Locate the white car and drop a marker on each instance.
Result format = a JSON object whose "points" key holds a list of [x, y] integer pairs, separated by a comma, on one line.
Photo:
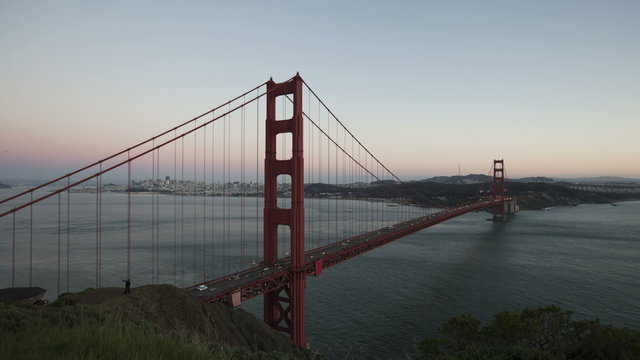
{"points": [[201, 287]]}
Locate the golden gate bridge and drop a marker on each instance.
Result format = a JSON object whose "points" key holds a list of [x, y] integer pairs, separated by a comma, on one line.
{"points": [[247, 199]]}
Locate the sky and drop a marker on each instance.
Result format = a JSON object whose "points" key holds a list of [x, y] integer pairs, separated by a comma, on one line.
{"points": [[551, 87]]}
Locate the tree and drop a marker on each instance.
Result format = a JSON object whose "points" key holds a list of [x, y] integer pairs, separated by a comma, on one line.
{"points": [[546, 333]]}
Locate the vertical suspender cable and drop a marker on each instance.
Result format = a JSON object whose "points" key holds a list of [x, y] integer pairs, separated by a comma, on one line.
{"points": [[361, 213], [97, 231], [312, 210], [13, 252], [68, 228], [328, 179], [373, 203], [307, 184], [336, 184], [344, 181], [58, 244], [242, 154], [310, 213], [352, 190], [358, 199], [340, 182], [175, 205], [378, 205], [321, 215], [213, 209], [318, 177], [224, 195], [30, 242], [183, 194], [366, 214], [153, 215], [228, 195], [306, 142], [362, 176], [315, 162], [157, 195], [99, 191], [368, 181], [195, 198], [204, 203], [128, 217], [312, 161], [257, 259], [354, 180]]}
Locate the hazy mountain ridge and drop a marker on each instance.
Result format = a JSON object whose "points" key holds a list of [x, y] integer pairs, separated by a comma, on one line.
{"points": [[480, 178], [600, 179], [530, 195]]}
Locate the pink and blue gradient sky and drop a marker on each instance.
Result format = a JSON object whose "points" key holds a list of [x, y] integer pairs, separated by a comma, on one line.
{"points": [[553, 87]]}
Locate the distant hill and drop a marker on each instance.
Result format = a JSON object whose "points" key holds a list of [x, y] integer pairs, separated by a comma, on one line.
{"points": [[3, 186], [460, 179], [380, 182], [535, 179], [600, 179], [530, 195], [479, 178]]}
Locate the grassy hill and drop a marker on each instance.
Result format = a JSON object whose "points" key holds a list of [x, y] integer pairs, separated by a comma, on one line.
{"points": [[153, 322]]}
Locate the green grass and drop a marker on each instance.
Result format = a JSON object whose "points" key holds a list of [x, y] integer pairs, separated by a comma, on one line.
{"points": [[84, 332]]}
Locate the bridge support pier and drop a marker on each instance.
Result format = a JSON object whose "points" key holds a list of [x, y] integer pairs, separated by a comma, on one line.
{"points": [[284, 307]]}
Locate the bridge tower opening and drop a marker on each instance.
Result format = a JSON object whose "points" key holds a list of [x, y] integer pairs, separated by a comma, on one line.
{"points": [[498, 189], [284, 307]]}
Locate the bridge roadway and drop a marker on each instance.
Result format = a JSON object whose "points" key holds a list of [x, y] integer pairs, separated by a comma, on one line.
{"points": [[235, 288]]}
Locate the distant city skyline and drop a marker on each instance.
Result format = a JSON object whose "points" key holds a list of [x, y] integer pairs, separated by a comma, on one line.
{"points": [[551, 87]]}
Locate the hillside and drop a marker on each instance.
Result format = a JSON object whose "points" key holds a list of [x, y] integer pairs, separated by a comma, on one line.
{"points": [[460, 179], [174, 319], [530, 195], [535, 196]]}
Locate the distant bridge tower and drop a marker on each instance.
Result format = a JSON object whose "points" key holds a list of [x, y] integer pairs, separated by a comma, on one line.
{"points": [[498, 189], [284, 307]]}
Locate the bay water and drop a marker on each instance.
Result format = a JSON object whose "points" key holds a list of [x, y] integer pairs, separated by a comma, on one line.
{"points": [[382, 303]]}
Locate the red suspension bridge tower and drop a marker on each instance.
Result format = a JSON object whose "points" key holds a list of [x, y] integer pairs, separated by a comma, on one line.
{"points": [[284, 307], [498, 189]]}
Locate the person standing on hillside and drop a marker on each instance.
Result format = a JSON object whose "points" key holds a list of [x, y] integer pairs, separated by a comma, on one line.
{"points": [[127, 286]]}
